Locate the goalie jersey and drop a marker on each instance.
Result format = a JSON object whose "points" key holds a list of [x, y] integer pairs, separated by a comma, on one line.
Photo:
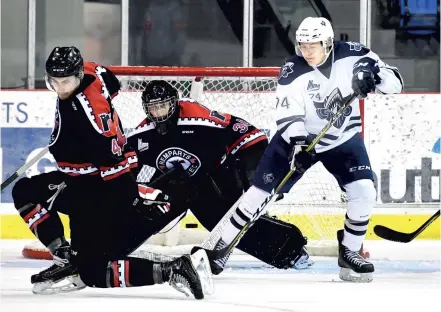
{"points": [[201, 141], [306, 95]]}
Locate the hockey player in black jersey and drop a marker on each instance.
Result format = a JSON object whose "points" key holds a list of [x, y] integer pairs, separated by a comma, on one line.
{"points": [[213, 156], [109, 215]]}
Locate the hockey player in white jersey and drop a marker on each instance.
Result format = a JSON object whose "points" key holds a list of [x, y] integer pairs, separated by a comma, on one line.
{"points": [[311, 85]]}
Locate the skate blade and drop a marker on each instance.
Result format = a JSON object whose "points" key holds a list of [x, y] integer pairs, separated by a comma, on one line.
{"points": [[348, 275], [74, 283], [200, 262], [303, 263], [182, 288]]}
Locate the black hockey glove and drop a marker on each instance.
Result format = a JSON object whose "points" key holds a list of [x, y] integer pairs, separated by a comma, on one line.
{"points": [[152, 203], [365, 76], [299, 158]]}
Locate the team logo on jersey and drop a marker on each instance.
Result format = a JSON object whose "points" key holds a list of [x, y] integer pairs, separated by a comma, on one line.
{"points": [[173, 156], [312, 86], [286, 70], [142, 146], [332, 103], [268, 178], [355, 46], [56, 130]]}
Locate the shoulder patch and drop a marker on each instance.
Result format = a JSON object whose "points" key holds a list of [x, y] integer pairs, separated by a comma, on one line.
{"points": [[344, 49], [292, 69], [286, 69]]}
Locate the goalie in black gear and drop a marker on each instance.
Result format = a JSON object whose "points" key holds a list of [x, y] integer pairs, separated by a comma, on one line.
{"points": [[214, 156], [109, 216]]}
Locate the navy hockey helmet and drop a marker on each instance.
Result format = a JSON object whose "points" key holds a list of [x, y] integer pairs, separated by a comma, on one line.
{"points": [[160, 103]]}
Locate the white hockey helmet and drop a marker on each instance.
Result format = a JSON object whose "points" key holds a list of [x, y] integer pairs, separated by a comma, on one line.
{"points": [[315, 29]]}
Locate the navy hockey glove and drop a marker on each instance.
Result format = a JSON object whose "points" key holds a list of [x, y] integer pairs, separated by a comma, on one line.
{"points": [[299, 158], [152, 203], [365, 76]]}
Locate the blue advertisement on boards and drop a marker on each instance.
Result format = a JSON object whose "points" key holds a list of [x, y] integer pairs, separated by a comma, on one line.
{"points": [[18, 144]]}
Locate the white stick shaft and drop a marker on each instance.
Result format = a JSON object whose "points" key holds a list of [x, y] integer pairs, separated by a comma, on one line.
{"points": [[34, 159]]}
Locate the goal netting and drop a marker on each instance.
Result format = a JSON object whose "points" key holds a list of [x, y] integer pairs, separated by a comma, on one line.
{"points": [[315, 204]]}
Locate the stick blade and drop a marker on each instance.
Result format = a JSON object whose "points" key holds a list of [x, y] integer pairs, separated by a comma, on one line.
{"points": [[392, 235]]}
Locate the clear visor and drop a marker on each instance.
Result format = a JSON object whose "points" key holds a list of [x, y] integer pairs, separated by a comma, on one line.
{"points": [[303, 48], [62, 84], [159, 111]]}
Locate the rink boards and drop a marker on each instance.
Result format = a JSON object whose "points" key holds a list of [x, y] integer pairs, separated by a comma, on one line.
{"points": [[400, 133], [13, 227]]}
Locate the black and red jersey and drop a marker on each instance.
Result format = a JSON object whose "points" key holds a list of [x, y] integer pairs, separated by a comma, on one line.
{"points": [[202, 140], [87, 138]]}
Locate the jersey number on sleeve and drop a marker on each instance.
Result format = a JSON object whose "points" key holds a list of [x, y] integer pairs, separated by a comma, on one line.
{"points": [[120, 141], [284, 103], [113, 125]]}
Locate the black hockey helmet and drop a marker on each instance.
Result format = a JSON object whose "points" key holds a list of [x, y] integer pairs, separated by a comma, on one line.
{"points": [[65, 62], [160, 103]]}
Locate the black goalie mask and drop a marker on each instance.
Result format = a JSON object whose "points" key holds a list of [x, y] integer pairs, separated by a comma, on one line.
{"points": [[160, 103]]}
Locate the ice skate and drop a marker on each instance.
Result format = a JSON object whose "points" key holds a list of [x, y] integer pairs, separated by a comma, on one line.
{"points": [[353, 267]]}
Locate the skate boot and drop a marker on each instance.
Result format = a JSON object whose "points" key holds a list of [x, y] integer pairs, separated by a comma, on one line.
{"points": [[51, 280], [190, 274], [353, 267], [218, 265], [304, 261]]}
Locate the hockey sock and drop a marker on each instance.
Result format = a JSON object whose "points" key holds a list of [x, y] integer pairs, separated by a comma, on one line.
{"points": [[361, 199], [249, 204], [45, 225], [133, 272], [354, 233]]}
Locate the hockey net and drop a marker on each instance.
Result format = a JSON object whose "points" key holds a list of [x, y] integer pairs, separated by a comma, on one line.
{"points": [[315, 204]]}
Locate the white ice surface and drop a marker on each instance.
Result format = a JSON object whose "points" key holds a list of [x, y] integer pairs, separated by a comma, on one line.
{"points": [[407, 279]]}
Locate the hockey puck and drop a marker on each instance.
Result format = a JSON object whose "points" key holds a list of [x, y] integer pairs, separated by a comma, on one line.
{"points": [[191, 226]]}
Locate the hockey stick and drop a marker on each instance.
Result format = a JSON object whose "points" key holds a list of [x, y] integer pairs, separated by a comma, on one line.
{"points": [[392, 235], [23, 168], [217, 231]]}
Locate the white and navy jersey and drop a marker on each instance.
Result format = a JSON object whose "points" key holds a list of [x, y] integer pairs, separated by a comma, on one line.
{"points": [[306, 94]]}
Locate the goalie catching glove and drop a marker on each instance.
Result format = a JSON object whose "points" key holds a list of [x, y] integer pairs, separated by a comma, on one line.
{"points": [[152, 203], [300, 159]]}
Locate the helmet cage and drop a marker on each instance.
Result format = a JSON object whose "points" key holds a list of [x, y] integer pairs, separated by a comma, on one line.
{"points": [[168, 105]]}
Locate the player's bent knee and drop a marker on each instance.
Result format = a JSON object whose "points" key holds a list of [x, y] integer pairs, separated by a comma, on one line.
{"points": [[361, 199], [93, 273], [21, 193]]}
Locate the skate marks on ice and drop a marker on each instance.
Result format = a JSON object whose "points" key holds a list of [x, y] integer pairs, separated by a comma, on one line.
{"points": [[238, 291], [403, 282]]}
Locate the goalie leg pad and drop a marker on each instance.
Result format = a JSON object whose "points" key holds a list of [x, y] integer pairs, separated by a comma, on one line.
{"points": [[274, 242]]}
